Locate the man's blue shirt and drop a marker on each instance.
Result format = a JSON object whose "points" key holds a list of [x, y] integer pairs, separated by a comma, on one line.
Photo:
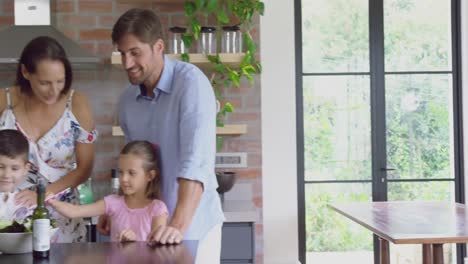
{"points": [[181, 120]]}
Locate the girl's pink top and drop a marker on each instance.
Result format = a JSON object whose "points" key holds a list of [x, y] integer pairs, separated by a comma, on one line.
{"points": [[138, 219]]}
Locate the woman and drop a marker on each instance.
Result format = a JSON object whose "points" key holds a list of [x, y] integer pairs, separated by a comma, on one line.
{"points": [[58, 124]]}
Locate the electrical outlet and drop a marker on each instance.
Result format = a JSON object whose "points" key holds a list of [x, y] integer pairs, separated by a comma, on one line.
{"points": [[227, 160]]}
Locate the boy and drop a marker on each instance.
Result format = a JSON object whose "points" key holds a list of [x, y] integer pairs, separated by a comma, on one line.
{"points": [[14, 165]]}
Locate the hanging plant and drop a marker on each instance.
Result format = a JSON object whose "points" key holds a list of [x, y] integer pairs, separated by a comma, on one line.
{"points": [[225, 12]]}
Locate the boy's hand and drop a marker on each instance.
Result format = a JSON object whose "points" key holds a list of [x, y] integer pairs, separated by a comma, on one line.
{"points": [[26, 197], [127, 235]]}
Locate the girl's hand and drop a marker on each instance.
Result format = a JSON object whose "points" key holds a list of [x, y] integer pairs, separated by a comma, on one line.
{"points": [[165, 235], [127, 235], [26, 197]]}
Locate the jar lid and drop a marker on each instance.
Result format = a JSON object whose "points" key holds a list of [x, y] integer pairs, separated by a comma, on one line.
{"points": [[207, 29], [177, 29], [114, 173], [231, 28]]}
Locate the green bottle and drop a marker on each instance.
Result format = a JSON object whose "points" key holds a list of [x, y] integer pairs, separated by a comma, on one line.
{"points": [[41, 224]]}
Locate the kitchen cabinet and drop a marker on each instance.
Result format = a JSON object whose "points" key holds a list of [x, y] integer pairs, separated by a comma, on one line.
{"points": [[238, 243]]}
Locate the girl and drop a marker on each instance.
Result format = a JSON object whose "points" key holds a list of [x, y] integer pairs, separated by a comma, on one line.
{"points": [[136, 210]]}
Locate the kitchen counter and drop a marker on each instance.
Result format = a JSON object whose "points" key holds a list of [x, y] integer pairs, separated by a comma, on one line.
{"points": [[111, 252], [239, 211]]}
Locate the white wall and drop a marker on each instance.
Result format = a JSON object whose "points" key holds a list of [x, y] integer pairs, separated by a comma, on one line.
{"points": [[279, 133]]}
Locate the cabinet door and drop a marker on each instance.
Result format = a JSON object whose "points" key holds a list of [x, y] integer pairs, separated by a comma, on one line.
{"points": [[237, 243]]}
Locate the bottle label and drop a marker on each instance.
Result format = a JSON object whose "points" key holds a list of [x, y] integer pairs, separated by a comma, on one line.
{"points": [[41, 235]]}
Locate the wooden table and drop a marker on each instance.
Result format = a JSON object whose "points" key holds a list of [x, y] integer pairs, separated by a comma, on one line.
{"points": [[111, 252], [428, 223]]}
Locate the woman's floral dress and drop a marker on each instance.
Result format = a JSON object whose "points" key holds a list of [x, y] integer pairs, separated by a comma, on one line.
{"points": [[52, 157]]}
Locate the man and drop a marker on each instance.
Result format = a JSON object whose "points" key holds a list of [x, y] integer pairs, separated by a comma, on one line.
{"points": [[172, 104]]}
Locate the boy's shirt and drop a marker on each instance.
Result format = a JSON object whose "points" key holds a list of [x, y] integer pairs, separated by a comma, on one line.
{"points": [[8, 206]]}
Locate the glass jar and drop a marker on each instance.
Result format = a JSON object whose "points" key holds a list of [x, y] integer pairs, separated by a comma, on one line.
{"points": [[231, 40], [207, 40], [176, 44]]}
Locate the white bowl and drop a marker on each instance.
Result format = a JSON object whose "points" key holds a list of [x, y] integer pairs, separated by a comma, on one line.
{"points": [[18, 243]]}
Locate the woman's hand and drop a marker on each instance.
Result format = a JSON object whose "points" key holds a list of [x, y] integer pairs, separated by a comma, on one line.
{"points": [[165, 235], [127, 235], [26, 197], [103, 225]]}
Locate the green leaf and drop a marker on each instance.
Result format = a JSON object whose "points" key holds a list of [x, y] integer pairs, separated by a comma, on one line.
{"points": [[189, 8], [247, 59], [220, 68], [200, 4], [259, 67], [187, 38], [185, 57], [219, 142], [228, 107], [214, 58], [261, 8], [222, 17], [234, 77], [219, 123], [195, 27], [227, 83], [211, 6], [229, 5]]}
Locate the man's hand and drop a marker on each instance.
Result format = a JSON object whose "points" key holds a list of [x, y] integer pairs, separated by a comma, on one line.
{"points": [[165, 235], [127, 235], [103, 225]]}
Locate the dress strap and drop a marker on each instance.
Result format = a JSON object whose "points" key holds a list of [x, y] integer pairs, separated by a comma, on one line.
{"points": [[69, 100], [8, 97]]}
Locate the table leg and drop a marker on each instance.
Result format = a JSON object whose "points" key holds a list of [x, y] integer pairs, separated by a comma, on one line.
{"points": [[427, 253], [384, 251], [438, 254]]}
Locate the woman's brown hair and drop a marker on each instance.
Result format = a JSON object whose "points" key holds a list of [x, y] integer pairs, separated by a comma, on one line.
{"points": [[39, 49]]}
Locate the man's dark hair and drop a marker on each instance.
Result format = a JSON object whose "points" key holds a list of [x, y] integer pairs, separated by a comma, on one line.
{"points": [[142, 23], [13, 144]]}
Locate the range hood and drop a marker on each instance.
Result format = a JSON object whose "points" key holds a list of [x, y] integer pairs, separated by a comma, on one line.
{"points": [[32, 19]]}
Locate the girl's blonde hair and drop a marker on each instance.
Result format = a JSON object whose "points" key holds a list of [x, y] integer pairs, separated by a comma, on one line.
{"points": [[150, 155]]}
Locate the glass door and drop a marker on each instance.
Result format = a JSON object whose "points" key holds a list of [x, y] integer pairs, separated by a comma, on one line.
{"points": [[378, 107], [419, 108]]}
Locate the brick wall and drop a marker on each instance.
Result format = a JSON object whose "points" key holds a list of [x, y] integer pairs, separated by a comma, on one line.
{"points": [[90, 23]]}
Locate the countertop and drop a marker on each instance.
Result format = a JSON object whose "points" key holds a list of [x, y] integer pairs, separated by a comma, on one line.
{"points": [[111, 252]]}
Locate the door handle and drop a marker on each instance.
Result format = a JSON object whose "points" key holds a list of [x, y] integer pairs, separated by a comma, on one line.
{"points": [[387, 169]]}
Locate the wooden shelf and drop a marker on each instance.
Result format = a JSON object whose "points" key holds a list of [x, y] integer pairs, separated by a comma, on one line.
{"points": [[231, 59], [227, 130]]}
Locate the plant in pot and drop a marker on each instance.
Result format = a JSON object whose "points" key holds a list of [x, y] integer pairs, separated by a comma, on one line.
{"points": [[226, 13]]}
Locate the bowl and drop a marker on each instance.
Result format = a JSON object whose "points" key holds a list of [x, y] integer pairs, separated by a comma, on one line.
{"points": [[225, 181], [18, 243]]}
